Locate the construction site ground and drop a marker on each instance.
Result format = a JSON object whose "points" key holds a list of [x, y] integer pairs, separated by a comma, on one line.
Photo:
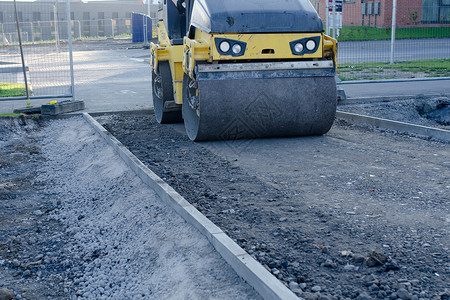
{"points": [[359, 213]]}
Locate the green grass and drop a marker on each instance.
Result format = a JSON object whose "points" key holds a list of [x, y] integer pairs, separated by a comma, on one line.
{"points": [[431, 67], [10, 115], [12, 90], [365, 33]]}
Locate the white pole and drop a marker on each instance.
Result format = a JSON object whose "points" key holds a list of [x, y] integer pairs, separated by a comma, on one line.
{"points": [[55, 16], [69, 32], [112, 27], [327, 17], [79, 28], [394, 22], [334, 19], [32, 32]]}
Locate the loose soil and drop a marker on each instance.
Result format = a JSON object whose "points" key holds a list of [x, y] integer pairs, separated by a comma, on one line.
{"points": [[355, 214], [77, 223], [33, 253], [424, 111]]}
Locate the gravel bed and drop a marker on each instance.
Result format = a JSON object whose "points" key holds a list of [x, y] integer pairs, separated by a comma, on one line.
{"points": [[76, 223], [356, 214], [430, 112]]}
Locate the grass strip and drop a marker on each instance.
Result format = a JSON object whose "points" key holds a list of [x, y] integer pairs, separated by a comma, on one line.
{"points": [[12, 90], [365, 33], [430, 67]]}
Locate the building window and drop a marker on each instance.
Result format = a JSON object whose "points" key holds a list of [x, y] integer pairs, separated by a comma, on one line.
{"points": [[436, 11], [349, 1], [1, 17], [115, 15]]}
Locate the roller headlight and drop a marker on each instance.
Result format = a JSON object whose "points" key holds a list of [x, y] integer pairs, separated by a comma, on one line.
{"points": [[310, 45], [307, 45], [237, 48], [298, 47], [224, 46], [230, 47]]}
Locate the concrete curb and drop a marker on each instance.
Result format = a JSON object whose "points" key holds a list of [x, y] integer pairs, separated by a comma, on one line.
{"points": [[434, 133], [245, 266], [362, 100]]}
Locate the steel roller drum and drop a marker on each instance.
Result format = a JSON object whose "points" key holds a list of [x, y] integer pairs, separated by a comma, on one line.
{"points": [[257, 104]]}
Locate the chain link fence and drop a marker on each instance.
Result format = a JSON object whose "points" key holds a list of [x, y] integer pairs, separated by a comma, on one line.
{"points": [[45, 51], [368, 49], [44, 32]]}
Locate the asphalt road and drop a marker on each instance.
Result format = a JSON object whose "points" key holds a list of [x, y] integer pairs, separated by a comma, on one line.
{"points": [[404, 50], [119, 79]]}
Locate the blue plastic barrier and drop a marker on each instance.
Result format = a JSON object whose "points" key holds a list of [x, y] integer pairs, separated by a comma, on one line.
{"points": [[139, 24]]}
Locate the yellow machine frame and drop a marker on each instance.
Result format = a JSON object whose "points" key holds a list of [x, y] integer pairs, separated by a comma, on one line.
{"points": [[182, 58]]}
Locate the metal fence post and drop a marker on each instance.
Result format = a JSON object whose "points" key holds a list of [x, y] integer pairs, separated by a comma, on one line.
{"points": [[79, 29], [55, 16], [69, 36], [327, 18], [32, 32], [112, 28], [21, 55], [334, 19], [394, 22]]}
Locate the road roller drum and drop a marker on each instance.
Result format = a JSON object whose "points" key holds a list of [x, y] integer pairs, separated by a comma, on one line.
{"points": [[244, 69]]}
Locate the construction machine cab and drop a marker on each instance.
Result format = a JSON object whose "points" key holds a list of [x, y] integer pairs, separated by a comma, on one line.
{"points": [[174, 15]]}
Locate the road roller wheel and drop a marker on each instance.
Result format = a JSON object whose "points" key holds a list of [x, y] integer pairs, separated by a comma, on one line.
{"points": [[163, 96], [190, 108]]}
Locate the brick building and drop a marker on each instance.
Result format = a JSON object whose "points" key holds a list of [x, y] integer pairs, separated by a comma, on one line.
{"points": [[378, 13]]}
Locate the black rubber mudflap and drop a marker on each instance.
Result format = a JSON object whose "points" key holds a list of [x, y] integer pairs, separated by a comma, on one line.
{"points": [[263, 107]]}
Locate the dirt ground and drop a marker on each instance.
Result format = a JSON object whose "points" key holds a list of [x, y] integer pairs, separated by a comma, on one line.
{"points": [[33, 256], [77, 223], [359, 213], [424, 111], [355, 214]]}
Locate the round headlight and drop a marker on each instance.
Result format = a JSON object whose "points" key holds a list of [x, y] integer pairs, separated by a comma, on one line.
{"points": [[224, 46], [298, 47], [310, 45], [237, 48]]}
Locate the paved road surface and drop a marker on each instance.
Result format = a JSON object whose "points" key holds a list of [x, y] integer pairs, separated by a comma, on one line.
{"points": [[117, 80], [380, 51]]}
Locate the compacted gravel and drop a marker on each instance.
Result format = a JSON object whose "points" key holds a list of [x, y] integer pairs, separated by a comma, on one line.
{"points": [[424, 111], [359, 213], [77, 223], [355, 214]]}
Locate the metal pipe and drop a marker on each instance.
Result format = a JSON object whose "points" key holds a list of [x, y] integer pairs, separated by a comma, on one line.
{"points": [[55, 17], [392, 80], [334, 19], [21, 55], [69, 32], [327, 17], [79, 29], [32, 32], [34, 97], [394, 22], [112, 28]]}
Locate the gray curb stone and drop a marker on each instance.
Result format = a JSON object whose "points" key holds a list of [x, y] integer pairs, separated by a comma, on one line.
{"points": [[244, 265]]}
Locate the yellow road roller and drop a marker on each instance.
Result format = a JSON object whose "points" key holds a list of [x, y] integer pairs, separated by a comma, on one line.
{"points": [[238, 69]]}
